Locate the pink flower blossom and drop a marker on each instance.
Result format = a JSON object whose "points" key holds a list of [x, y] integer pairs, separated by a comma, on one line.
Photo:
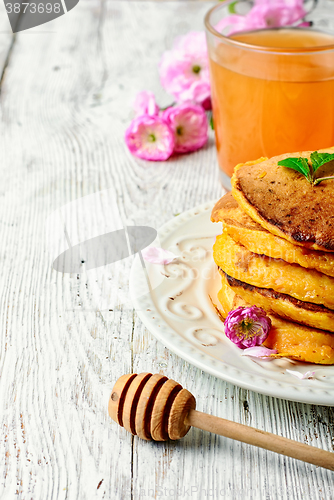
{"points": [[145, 104], [184, 70], [265, 14], [190, 126], [247, 326], [150, 138], [156, 255]]}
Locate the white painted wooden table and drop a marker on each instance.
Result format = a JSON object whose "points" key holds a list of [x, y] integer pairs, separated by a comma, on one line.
{"points": [[66, 93]]}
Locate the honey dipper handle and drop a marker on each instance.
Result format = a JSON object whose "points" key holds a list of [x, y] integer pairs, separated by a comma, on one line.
{"points": [[262, 439]]}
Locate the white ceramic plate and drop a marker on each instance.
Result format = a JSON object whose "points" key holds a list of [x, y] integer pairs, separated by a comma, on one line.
{"points": [[177, 309]]}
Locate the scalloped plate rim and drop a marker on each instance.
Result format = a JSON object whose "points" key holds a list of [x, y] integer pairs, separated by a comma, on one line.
{"points": [[296, 392]]}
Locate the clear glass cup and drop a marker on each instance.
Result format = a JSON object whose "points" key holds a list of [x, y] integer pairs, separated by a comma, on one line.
{"points": [[269, 99]]}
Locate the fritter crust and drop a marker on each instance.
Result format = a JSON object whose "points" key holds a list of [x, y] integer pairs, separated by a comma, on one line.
{"points": [[265, 272], [282, 201], [284, 305], [255, 238]]}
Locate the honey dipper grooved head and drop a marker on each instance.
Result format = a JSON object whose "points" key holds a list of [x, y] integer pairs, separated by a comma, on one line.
{"points": [[151, 406]]}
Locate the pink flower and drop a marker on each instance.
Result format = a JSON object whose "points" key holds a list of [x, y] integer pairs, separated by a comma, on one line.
{"points": [[265, 14], [247, 326], [237, 23], [190, 126], [150, 138], [184, 70], [145, 104], [156, 255]]}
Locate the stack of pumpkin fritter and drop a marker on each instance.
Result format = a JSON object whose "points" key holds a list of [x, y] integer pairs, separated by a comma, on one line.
{"points": [[277, 252]]}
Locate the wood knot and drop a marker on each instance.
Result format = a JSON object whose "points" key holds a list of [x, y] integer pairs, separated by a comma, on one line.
{"points": [[114, 396]]}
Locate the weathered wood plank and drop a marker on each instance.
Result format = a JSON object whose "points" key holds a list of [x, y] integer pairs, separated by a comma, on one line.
{"points": [[56, 360]]}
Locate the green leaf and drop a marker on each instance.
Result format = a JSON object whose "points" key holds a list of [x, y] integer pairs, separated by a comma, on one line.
{"points": [[211, 123], [231, 7], [300, 164], [316, 162], [319, 159]]}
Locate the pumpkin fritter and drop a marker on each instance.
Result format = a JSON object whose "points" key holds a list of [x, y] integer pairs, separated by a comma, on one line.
{"points": [[289, 339], [266, 272], [282, 201], [284, 305], [255, 238]]}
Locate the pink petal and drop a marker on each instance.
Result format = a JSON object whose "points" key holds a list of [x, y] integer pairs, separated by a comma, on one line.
{"points": [[193, 43], [199, 92], [264, 14], [177, 65], [237, 23], [156, 255], [145, 104], [190, 126], [206, 103], [305, 24], [301, 376], [150, 138], [258, 352]]}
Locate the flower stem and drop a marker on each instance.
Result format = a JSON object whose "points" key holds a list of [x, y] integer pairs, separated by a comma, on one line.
{"points": [[169, 106], [317, 181]]}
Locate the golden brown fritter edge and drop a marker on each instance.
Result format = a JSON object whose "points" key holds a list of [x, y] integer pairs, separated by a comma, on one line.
{"points": [[283, 305], [242, 229]]}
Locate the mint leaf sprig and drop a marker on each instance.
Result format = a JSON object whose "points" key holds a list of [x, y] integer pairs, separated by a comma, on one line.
{"points": [[304, 167]]}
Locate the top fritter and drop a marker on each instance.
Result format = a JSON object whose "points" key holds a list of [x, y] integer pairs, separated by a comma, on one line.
{"points": [[285, 203]]}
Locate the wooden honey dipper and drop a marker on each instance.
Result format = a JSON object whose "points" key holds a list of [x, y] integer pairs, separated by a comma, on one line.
{"points": [[155, 407]]}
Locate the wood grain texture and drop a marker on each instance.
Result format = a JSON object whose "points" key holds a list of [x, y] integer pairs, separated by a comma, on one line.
{"points": [[66, 99]]}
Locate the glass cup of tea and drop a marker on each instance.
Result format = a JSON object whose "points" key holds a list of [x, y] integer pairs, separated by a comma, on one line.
{"points": [[272, 89]]}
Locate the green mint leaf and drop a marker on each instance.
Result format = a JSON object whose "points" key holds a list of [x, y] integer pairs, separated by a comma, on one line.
{"points": [[316, 161], [306, 167], [319, 159], [299, 164], [231, 7]]}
